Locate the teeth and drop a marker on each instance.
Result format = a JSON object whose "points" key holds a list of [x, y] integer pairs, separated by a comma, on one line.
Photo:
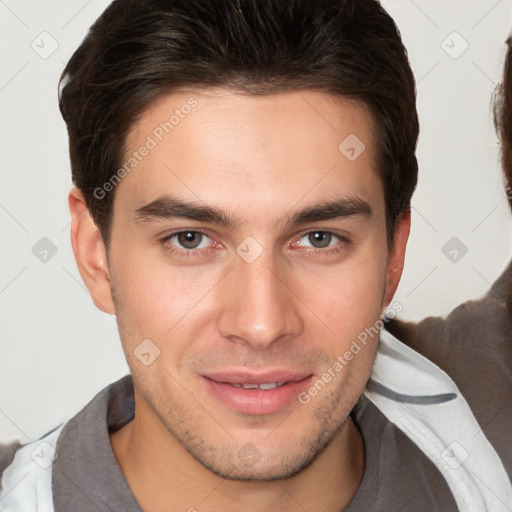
{"points": [[269, 385]]}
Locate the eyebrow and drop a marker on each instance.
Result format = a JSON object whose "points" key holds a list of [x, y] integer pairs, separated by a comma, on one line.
{"points": [[168, 207], [344, 207]]}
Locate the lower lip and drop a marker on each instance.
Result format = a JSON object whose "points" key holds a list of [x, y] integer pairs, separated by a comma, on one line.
{"points": [[257, 401]]}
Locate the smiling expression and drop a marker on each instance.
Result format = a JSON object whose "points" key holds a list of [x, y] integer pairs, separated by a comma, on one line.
{"points": [[249, 252]]}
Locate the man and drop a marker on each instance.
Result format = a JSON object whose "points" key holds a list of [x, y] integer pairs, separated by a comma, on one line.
{"points": [[243, 175], [479, 332]]}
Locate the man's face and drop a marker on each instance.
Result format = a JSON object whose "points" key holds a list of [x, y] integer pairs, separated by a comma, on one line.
{"points": [[249, 249]]}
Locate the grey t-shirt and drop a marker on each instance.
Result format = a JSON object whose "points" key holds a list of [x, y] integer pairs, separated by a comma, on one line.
{"points": [[87, 478]]}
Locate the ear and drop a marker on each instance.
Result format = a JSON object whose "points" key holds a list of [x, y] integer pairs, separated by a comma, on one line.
{"points": [[90, 254], [396, 256]]}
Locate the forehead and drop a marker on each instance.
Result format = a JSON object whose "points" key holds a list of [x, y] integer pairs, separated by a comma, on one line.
{"points": [[217, 144]]}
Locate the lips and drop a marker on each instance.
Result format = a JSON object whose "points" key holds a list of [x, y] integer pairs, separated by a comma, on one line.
{"points": [[253, 392], [246, 376]]}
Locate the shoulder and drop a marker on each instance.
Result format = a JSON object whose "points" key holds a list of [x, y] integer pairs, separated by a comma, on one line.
{"points": [[483, 325], [471, 377], [7, 453], [398, 475], [33, 476], [25, 473], [470, 343]]}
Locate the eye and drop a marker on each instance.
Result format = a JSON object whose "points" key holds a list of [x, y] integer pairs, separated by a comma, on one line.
{"points": [[319, 239], [189, 240]]}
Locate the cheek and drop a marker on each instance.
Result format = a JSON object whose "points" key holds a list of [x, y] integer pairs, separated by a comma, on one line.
{"points": [[348, 298], [350, 306], [156, 301]]}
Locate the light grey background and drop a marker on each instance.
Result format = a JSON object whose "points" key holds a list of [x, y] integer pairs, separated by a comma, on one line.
{"points": [[57, 350]]}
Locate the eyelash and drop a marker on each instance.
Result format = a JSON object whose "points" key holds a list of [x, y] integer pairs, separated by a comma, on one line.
{"points": [[343, 242], [184, 253]]}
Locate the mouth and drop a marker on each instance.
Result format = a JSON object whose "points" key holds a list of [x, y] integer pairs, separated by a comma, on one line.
{"points": [[256, 394], [265, 385]]}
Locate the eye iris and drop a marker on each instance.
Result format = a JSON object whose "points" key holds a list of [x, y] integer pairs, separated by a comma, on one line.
{"points": [[189, 239], [320, 239]]}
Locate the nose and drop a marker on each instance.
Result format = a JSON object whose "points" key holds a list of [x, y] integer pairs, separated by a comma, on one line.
{"points": [[259, 306]]}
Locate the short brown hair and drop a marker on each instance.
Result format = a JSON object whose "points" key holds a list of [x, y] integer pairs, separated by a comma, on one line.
{"points": [[139, 50], [503, 119]]}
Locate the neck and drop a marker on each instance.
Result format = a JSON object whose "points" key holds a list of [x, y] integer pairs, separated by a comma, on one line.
{"points": [[162, 474]]}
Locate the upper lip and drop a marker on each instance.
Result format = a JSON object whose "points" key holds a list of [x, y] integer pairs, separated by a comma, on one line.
{"points": [[247, 376]]}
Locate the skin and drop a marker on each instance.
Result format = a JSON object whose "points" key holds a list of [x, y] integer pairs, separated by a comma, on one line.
{"points": [[297, 306]]}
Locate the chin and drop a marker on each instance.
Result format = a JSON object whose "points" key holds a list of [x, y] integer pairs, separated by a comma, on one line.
{"points": [[273, 462]]}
